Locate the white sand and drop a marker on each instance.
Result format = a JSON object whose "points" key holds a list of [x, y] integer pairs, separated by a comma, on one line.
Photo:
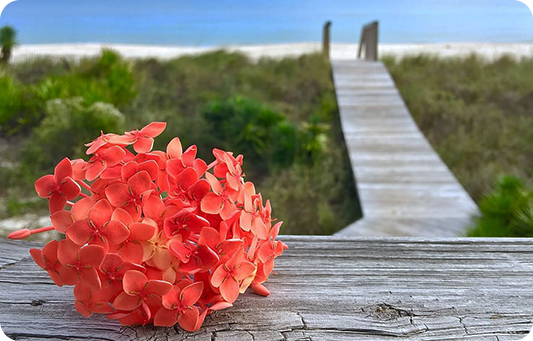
{"points": [[338, 51]]}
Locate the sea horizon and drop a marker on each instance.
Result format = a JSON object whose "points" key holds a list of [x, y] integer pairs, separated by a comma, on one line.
{"points": [[238, 22]]}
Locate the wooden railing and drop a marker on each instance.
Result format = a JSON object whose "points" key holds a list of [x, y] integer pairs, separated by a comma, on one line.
{"points": [[324, 288], [369, 41]]}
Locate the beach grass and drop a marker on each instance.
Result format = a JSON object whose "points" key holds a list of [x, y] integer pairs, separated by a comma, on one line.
{"points": [[476, 113], [63, 104]]}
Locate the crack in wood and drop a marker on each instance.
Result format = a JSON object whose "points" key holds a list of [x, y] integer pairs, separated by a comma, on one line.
{"points": [[7, 265], [251, 335], [462, 324]]}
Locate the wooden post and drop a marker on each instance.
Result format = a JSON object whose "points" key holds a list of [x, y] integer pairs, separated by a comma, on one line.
{"points": [[325, 39], [369, 41], [371, 48]]}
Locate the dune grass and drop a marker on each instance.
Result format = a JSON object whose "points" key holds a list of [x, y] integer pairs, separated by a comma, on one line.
{"points": [[477, 114], [281, 114]]}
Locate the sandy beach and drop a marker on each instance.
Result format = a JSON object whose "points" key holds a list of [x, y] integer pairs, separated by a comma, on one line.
{"points": [[338, 51]]}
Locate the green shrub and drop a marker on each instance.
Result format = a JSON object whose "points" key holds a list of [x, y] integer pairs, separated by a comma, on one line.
{"points": [[68, 125], [113, 76], [107, 79], [11, 101], [507, 211], [244, 126]]}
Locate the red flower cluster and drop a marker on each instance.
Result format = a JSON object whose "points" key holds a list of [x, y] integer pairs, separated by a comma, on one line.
{"points": [[155, 236]]}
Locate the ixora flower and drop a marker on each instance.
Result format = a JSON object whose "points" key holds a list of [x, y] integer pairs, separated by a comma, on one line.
{"points": [[152, 236]]}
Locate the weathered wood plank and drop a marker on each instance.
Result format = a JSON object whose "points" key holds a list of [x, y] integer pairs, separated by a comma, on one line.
{"points": [[399, 176], [326, 288]]}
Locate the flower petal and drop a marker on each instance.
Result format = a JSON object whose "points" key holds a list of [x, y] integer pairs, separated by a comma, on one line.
{"points": [[218, 276], [132, 252], [141, 231], [94, 169], [89, 276], [56, 202], [188, 318], [180, 250], [80, 232], [191, 293], [210, 237], [140, 183], [126, 302], [205, 257], [92, 255], [100, 213], [63, 170], [199, 189], [38, 258], [243, 270], [153, 129], [159, 288], [189, 156], [45, 186], [67, 252], [81, 208], [69, 188], [153, 207], [118, 194], [143, 144], [121, 215], [212, 203], [115, 232], [165, 318], [134, 282], [113, 155], [151, 167], [69, 276], [61, 220], [174, 149], [245, 221], [229, 289], [162, 258]]}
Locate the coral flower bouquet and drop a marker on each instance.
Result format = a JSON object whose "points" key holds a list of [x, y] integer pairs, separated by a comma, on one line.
{"points": [[155, 236]]}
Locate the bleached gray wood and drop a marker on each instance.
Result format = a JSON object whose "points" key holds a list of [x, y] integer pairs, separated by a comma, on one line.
{"points": [[404, 187], [326, 288], [369, 41]]}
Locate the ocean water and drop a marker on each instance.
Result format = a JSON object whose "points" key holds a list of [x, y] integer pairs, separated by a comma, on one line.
{"points": [[222, 22]]}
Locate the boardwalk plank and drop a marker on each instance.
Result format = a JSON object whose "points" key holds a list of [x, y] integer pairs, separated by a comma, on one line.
{"points": [[400, 178], [325, 288]]}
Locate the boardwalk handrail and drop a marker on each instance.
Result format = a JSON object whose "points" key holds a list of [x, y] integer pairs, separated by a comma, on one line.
{"points": [[369, 40]]}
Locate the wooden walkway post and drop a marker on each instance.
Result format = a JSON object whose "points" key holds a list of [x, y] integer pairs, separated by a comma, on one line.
{"points": [[325, 39], [369, 41]]}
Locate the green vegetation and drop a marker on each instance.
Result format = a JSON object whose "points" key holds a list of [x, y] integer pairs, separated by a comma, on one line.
{"points": [[281, 114], [8, 40], [506, 212], [477, 115]]}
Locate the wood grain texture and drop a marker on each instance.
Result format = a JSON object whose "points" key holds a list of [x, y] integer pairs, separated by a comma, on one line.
{"points": [[404, 187], [326, 288]]}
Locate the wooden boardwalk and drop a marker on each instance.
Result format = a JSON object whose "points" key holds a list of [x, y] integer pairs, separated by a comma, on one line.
{"points": [[404, 187], [325, 288]]}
